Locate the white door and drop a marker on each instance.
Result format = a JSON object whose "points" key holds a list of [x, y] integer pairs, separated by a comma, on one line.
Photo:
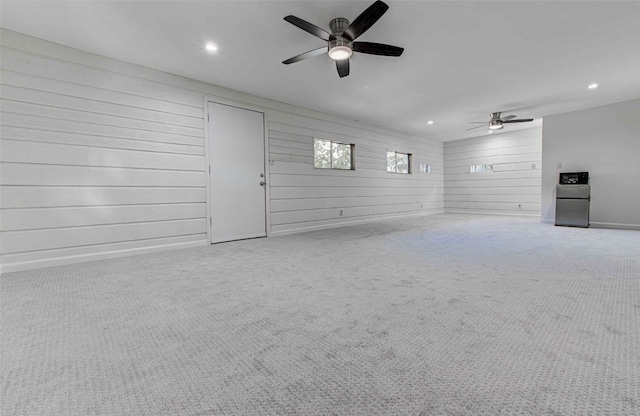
{"points": [[238, 191]]}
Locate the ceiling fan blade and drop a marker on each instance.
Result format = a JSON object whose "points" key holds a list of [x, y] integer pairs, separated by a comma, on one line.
{"points": [[306, 55], [476, 127], [343, 68], [520, 120], [308, 27], [377, 49], [366, 19], [478, 122], [508, 117]]}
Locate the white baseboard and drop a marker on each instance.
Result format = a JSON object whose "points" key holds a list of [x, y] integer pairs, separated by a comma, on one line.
{"points": [[349, 223], [82, 258], [615, 226], [607, 225], [511, 214]]}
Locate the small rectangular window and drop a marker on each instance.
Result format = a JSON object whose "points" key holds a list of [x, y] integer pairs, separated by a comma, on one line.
{"points": [[480, 168], [398, 162], [328, 154], [425, 168]]}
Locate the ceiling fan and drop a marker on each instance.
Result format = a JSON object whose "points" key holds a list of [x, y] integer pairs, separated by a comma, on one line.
{"points": [[341, 41], [496, 121]]}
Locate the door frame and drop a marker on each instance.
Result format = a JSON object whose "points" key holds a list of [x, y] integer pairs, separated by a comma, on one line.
{"points": [[207, 159]]}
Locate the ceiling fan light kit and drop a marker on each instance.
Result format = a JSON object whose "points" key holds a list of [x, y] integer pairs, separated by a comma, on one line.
{"points": [[341, 41], [340, 53]]}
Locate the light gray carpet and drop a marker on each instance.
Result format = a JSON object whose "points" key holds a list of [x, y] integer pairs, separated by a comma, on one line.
{"points": [[441, 315]]}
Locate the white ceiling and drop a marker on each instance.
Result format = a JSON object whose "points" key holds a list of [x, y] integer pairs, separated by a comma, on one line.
{"points": [[462, 60]]}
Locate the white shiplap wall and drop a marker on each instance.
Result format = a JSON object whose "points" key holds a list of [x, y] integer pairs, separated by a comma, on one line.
{"points": [[101, 158], [97, 159], [305, 198], [515, 183]]}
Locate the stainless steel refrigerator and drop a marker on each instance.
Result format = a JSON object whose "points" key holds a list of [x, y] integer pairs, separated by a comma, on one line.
{"points": [[572, 205]]}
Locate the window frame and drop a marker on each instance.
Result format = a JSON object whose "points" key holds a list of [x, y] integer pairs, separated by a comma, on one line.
{"points": [[332, 142], [481, 168], [409, 162]]}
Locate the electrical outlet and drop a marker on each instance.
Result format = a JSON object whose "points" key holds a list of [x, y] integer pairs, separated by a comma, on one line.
{"points": [[558, 165], [420, 205], [341, 213], [533, 166]]}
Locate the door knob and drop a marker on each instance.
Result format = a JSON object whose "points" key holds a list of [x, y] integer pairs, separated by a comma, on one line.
{"points": [[263, 183]]}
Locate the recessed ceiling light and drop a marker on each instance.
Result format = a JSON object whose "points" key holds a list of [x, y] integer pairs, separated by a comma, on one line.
{"points": [[593, 86], [430, 122], [211, 47]]}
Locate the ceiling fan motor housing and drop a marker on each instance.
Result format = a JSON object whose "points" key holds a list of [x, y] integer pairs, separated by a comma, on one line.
{"points": [[338, 26]]}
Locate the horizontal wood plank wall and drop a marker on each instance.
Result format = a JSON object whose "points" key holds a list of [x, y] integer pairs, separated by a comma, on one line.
{"points": [[305, 198], [96, 160], [514, 186], [102, 158]]}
